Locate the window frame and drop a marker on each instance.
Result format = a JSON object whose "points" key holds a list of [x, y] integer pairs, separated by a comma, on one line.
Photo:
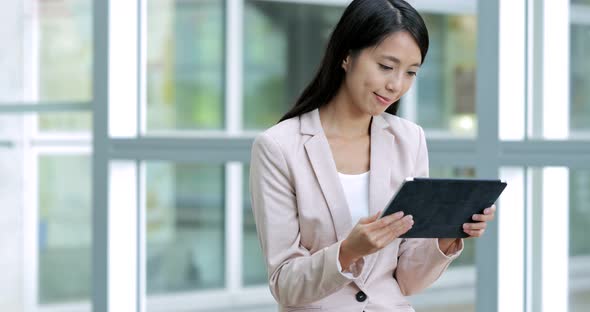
{"points": [[487, 153]]}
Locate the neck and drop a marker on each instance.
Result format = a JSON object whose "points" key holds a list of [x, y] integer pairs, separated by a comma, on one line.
{"points": [[341, 118]]}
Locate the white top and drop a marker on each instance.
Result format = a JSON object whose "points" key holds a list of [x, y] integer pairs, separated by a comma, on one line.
{"points": [[356, 190]]}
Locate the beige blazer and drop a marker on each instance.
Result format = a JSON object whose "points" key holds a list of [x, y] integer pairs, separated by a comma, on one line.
{"points": [[302, 216]]}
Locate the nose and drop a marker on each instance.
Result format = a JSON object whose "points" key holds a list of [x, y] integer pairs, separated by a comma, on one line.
{"points": [[394, 84]]}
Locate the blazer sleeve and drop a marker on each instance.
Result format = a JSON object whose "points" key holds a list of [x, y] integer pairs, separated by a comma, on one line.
{"points": [[420, 260], [296, 276]]}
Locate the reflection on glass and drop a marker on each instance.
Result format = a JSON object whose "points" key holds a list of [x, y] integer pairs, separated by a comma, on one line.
{"points": [[64, 228], [446, 82], [65, 122], [580, 80], [468, 255], [273, 78], [299, 33], [185, 227], [253, 264], [50, 54], [185, 59], [579, 219], [11, 128], [65, 35], [12, 60], [11, 222]]}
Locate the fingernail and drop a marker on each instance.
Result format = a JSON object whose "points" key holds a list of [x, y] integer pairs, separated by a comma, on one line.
{"points": [[399, 213], [465, 226], [410, 217]]}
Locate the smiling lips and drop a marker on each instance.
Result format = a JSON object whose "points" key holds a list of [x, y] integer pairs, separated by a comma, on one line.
{"points": [[382, 100]]}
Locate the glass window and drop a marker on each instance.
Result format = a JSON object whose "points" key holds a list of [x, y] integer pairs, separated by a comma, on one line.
{"points": [[51, 34], [273, 78], [64, 122], [11, 222], [185, 65], [60, 182], [12, 60], [64, 228], [579, 211], [253, 263], [550, 190], [65, 35], [579, 79], [185, 227], [77, 122], [445, 85], [571, 122], [11, 128], [579, 251], [299, 33]]}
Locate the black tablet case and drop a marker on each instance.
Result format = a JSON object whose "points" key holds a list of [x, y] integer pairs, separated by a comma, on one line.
{"points": [[441, 206]]}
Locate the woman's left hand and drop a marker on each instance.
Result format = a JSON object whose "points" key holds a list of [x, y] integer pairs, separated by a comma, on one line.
{"points": [[477, 228]]}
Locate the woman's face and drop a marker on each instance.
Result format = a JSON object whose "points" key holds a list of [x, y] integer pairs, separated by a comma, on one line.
{"points": [[379, 75]]}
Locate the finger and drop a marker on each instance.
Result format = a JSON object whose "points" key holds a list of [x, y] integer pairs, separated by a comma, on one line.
{"points": [[401, 226], [487, 215], [475, 226], [370, 219], [376, 215], [474, 233], [383, 222], [396, 228], [490, 210], [373, 231], [482, 218], [394, 217]]}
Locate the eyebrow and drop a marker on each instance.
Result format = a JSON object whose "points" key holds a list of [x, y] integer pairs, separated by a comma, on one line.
{"points": [[397, 61]]}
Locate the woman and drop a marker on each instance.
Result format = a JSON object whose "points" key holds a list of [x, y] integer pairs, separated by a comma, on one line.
{"points": [[320, 177]]}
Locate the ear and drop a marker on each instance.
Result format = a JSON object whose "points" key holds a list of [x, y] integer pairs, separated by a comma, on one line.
{"points": [[346, 63]]}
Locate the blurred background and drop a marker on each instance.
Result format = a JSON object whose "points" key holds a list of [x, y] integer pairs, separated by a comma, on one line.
{"points": [[145, 110]]}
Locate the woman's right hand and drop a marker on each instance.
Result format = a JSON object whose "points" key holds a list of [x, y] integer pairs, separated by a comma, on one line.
{"points": [[371, 234]]}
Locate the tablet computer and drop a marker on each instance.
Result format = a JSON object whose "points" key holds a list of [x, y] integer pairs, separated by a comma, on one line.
{"points": [[441, 206]]}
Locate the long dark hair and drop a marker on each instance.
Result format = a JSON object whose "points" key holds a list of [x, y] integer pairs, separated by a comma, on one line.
{"points": [[363, 24]]}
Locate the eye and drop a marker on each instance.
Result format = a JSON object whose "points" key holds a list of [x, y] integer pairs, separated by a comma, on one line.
{"points": [[412, 74], [385, 67]]}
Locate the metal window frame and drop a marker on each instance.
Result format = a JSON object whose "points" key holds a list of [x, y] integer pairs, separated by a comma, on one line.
{"points": [[486, 153]]}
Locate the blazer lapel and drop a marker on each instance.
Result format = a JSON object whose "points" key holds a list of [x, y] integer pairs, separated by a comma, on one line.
{"points": [[381, 163], [324, 167], [382, 143]]}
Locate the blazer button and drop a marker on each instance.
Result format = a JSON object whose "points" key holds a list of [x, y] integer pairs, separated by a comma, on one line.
{"points": [[361, 296]]}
